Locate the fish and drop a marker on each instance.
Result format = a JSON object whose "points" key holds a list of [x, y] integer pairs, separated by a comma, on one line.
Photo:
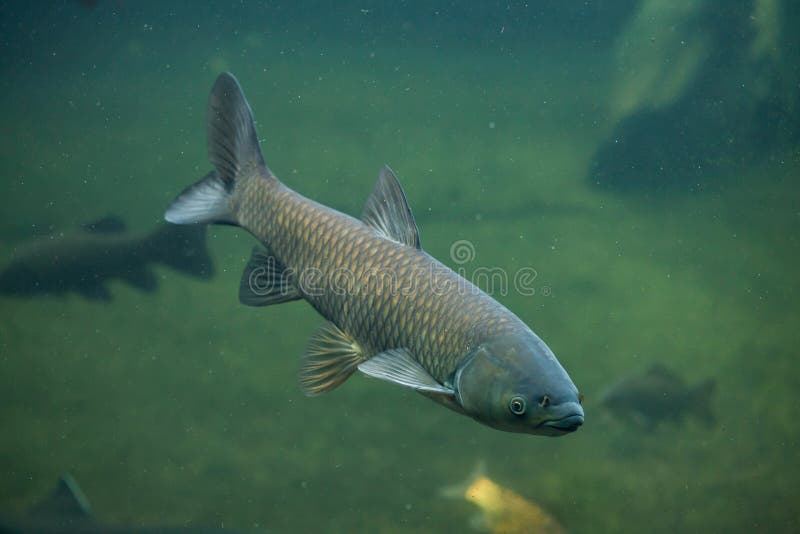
{"points": [[658, 394], [502, 510], [66, 510], [392, 311], [84, 261]]}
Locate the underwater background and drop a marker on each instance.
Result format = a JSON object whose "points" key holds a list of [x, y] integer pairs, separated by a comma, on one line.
{"points": [[641, 156]]}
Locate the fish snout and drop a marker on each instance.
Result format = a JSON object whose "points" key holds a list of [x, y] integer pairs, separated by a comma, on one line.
{"points": [[566, 417]]}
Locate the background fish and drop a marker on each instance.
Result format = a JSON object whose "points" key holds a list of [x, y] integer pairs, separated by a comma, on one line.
{"points": [[503, 510], [393, 311], [84, 261], [658, 394], [66, 510]]}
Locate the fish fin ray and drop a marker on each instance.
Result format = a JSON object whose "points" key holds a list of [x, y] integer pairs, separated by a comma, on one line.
{"points": [[265, 281], [232, 138], [400, 367], [207, 201], [388, 213], [233, 150], [331, 357]]}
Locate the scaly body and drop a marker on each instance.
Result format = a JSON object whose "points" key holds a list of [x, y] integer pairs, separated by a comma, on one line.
{"points": [[385, 294], [394, 312]]}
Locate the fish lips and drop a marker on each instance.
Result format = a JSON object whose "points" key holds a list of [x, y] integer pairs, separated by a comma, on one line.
{"points": [[568, 417]]}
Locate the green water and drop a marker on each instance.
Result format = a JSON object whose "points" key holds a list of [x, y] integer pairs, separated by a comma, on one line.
{"points": [[181, 407]]}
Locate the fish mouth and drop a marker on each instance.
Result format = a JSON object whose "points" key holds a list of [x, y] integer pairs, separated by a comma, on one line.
{"points": [[570, 423]]}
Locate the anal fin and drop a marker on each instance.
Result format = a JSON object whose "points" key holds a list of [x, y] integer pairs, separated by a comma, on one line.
{"points": [[266, 281], [331, 357]]}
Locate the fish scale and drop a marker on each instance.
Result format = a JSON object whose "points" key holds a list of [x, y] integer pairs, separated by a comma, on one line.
{"points": [[305, 235], [394, 312]]}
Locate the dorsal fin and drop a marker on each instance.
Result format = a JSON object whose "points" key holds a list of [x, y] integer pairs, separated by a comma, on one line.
{"points": [[387, 211], [65, 502]]}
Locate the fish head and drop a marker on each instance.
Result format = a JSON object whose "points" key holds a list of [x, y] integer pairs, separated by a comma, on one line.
{"points": [[514, 383]]}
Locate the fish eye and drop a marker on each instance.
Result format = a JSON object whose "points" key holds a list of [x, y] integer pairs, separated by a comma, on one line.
{"points": [[517, 405]]}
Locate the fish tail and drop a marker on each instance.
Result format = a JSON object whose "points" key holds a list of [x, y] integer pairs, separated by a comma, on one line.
{"points": [[233, 150], [183, 248], [457, 491], [701, 397]]}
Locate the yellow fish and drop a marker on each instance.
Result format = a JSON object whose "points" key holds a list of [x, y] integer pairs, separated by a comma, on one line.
{"points": [[503, 510]]}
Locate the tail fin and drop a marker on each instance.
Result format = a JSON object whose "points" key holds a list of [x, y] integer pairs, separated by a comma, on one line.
{"points": [[207, 201], [457, 491], [232, 149], [183, 248], [700, 397]]}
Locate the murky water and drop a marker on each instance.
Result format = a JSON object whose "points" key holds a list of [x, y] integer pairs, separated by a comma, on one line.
{"points": [[640, 161]]}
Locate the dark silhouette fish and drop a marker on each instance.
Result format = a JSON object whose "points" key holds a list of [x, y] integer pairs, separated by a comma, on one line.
{"points": [[66, 511], [83, 261], [393, 311], [658, 394]]}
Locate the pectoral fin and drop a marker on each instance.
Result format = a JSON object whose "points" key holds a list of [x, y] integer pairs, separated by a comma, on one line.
{"points": [[266, 281], [400, 367], [331, 357]]}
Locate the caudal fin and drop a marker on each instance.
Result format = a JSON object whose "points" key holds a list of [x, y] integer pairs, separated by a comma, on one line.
{"points": [[207, 201], [457, 491], [232, 149]]}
